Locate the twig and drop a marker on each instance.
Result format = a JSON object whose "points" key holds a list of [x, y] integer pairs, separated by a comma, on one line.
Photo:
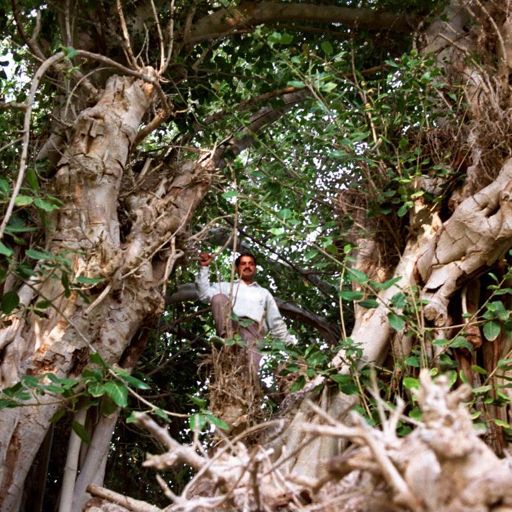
{"points": [[114, 497], [160, 36], [26, 135], [67, 25], [126, 38], [171, 39], [165, 488], [176, 451], [98, 299]]}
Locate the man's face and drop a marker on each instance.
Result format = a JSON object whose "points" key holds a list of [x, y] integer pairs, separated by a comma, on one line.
{"points": [[246, 269]]}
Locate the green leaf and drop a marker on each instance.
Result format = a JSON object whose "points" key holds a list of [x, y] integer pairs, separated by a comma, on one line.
{"points": [[135, 382], [58, 415], [39, 255], [286, 38], [30, 381], [480, 390], [7, 403], [197, 422], [505, 363], [200, 402], [402, 211], [396, 322], [502, 423], [217, 421], [131, 418], [45, 205], [368, 303], [160, 413], [117, 392], [89, 280], [5, 188], [107, 406], [5, 251], [298, 384], [357, 276], [411, 383], [229, 194], [460, 342], [412, 361], [80, 431], [70, 52], [22, 200], [328, 87], [9, 302], [96, 389], [386, 284], [327, 48], [351, 294], [346, 383], [285, 213], [479, 369], [32, 180], [97, 359], [416, 414], [491, 330]]}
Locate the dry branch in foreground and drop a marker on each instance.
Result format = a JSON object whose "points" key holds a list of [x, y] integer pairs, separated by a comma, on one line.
{"points": [[442, 466]]}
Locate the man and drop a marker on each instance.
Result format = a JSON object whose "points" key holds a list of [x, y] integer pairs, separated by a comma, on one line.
{"points": [[248, 301]]}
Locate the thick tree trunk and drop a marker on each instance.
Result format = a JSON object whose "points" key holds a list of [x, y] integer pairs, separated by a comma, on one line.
{"points": [[86, 231]]}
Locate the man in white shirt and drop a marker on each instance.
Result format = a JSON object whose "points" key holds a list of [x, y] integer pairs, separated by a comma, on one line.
{"points": [[248, 301]]}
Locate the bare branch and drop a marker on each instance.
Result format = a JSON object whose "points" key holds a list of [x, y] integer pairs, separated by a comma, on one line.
{"points": [[171, 39], [225, 22], [126, 37], [126, 502], [160, 37]]}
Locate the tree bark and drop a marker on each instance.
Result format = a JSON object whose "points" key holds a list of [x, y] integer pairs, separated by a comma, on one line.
{"points": [[86, 231]]}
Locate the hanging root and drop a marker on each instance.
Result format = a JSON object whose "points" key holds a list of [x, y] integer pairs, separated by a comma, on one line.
{"points": [[234, 396], [442, 466]]}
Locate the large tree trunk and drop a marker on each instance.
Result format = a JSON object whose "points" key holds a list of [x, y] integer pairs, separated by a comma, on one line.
{"points": [[87, 233], [91, 181]]}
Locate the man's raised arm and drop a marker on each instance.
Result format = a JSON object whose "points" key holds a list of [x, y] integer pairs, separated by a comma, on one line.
{"points": [[203, 277]]}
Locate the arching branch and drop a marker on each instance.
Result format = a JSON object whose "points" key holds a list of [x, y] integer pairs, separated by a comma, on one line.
{"points": [[226, 22], [188, 292]]}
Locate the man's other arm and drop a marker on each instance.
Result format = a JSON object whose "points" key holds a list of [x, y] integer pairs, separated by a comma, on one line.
{"points": [[276, 323]]}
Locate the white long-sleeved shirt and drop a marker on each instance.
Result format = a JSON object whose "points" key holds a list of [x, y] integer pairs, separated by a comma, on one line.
{"points": [[248, 300]]}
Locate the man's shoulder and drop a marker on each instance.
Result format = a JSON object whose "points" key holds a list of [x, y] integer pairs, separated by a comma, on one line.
{"points": [[261, 288]]}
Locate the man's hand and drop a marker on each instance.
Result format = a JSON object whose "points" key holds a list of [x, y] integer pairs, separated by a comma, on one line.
{"points": [[205, 259]]}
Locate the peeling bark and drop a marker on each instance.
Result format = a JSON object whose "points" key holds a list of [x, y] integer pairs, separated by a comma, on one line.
{"points": [[475, 236], [86, 230]]}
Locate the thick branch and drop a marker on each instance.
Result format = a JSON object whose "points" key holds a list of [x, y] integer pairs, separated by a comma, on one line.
{"points": [[188, 292], [225, 22]]}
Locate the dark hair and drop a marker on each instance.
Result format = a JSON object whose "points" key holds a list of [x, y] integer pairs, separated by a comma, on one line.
{"points": [[237, 261]]}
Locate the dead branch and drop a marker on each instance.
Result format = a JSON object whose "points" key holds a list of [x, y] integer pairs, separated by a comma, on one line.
{"points": [[119, 499], [442, 466]]}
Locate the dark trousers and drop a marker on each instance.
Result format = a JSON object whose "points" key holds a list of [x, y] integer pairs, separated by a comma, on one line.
{"points": [[227, 327]]}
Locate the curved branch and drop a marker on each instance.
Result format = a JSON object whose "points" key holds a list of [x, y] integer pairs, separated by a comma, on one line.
{"points": [[188, 292], [219, 236], [226, 22]]}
